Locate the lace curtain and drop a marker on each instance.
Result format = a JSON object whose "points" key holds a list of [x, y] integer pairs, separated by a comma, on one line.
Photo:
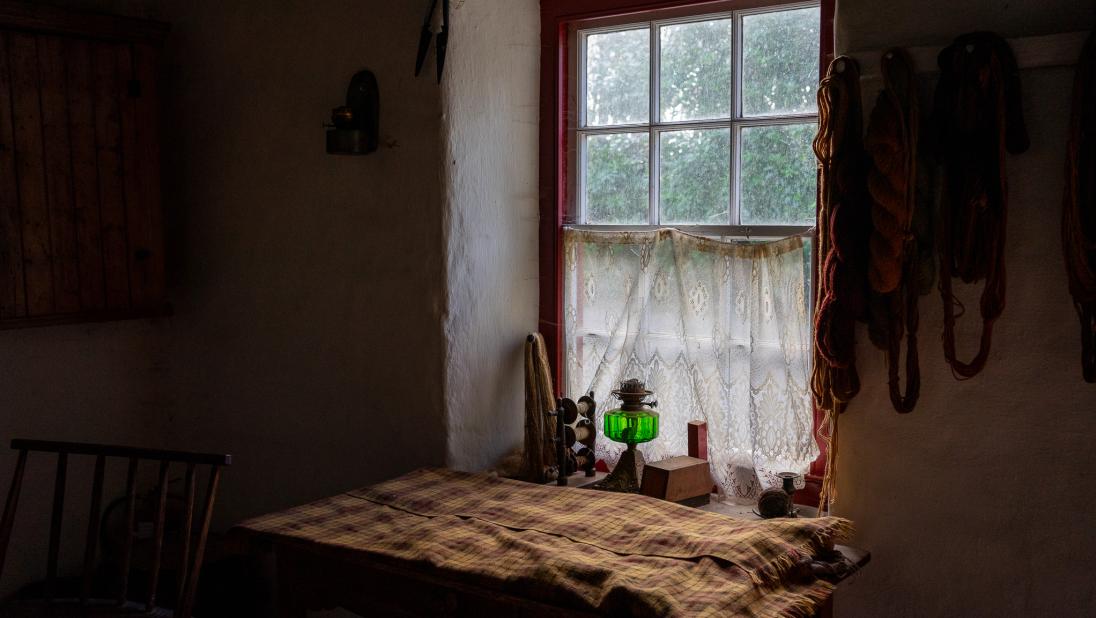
{"points": [[719, 330]]}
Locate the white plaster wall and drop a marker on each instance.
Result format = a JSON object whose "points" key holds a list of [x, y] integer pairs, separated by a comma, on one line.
{"points": [[491, 97], [86, 382], [100, 382], [978, 503], [308, 288], [308, 336]]}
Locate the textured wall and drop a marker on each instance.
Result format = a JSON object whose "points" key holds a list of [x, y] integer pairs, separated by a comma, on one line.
{"points": [[977, 503], [101, 382], [90, 382], [491, 103], [308, 288], [308, 337]]}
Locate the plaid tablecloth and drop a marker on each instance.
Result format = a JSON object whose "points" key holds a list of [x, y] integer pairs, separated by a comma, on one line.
{"points": [[619, 554]]}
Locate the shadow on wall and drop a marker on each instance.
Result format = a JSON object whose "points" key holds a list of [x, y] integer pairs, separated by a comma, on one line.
{"points": [[970, 505], [308, 288]]}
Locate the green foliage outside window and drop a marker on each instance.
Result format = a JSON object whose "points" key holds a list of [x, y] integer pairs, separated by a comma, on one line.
{"points": [[777, 168]]}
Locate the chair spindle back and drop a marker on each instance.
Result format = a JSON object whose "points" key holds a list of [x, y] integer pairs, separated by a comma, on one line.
{"points": [[192, 549]]}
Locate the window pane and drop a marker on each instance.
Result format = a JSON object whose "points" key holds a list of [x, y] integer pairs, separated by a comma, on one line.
{"points": [[618, 77], [616, 178], [780, 62], [777, 175], [694, 177], [695, 70]]}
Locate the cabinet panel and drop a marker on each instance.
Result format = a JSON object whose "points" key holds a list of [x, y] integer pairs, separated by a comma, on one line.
{"points": [[26, 110], [81, 230], [85, 174], [146, 235], [108, 155], [12, 292], [58, 169]]}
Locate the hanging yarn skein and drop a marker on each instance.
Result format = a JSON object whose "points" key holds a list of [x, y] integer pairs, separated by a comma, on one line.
{"points": [[840, 250], [842, 232], [978, 117], [1079, 205], [537, 460], [892, 143]]}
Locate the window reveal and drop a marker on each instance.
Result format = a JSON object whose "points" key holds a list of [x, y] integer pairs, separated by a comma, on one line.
{"points": [[705, 124]]}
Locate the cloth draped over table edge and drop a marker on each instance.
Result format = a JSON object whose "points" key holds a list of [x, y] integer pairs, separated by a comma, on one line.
{"points": [[827, 529], [766, 552]]}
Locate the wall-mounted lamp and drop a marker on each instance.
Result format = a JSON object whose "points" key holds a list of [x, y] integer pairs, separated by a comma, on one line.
{"points": [[355, 126]]}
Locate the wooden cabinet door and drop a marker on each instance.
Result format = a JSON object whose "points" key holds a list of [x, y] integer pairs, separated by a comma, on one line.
{"points": [[81, 232]]}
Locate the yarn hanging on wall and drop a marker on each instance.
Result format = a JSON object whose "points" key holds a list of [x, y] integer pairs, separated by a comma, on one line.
{"points": [[895, 248], [1079, 205], [842, 233], [840, 248], [978, 118]]}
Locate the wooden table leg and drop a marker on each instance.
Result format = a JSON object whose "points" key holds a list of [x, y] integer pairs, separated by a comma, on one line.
{"points": [[289, 595]]}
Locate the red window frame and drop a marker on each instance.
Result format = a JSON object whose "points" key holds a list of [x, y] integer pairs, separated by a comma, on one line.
{"points": [[556, 17]]}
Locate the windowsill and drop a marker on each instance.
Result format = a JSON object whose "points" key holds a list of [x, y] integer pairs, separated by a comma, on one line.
{"points": [[744, 508], [806, 499]]}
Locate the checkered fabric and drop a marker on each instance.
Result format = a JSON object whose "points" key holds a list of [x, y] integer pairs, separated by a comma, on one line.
{"points": [[618, 554]]}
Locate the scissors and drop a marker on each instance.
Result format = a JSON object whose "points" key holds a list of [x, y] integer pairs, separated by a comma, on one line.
{"points": [[428, 33]]}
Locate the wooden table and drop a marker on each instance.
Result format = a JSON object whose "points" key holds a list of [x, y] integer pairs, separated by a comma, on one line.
{"points": [[314, 577], [308, 578]]}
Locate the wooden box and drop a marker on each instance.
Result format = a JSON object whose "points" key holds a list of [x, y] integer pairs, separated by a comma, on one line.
{"points": [[686, 480], [81, 231]]}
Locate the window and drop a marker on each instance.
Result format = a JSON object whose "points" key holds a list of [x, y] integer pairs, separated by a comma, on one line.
{"points": [[693, 114], [703, 123]]}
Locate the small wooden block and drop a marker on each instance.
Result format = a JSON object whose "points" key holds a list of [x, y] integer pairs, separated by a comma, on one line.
{"points": [[678, 479], [698, 439]]}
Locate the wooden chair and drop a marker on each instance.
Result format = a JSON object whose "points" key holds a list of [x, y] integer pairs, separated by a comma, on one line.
{"points": [[192, 549]]}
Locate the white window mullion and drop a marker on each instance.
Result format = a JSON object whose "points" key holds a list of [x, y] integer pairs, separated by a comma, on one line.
{"points": [[655, 126], [656, 173], [580, 184], [736, 66], [654, 116], [580, 145], [736, 114], [736, 174], [582, 47], [777, 119]]}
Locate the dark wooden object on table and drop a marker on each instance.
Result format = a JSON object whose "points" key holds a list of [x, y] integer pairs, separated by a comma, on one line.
{"points": [[685, 480], [698, 439], [118, 603], [81, 230]]}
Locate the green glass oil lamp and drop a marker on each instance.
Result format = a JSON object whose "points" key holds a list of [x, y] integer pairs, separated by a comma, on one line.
{"points": [[635, 422]]}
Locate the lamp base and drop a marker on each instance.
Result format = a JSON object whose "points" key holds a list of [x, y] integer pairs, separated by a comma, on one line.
{"points": [[627, 474]]}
